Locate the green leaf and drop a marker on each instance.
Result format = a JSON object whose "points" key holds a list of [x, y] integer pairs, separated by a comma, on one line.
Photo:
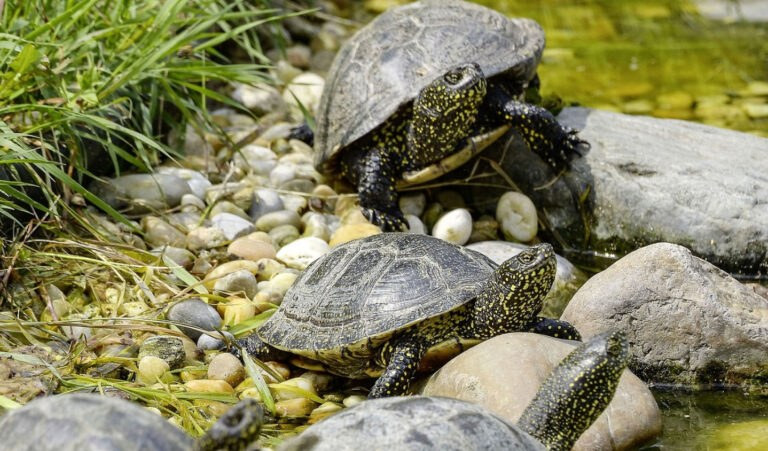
{"points": [[25, 59]]}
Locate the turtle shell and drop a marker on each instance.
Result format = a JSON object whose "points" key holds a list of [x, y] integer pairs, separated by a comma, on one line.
{"points": [[78, 422], [413, 423], [369, 288], [386, 63]]}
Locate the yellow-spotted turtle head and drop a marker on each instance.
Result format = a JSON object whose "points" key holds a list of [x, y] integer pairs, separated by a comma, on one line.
{"points": [[236, 430]]}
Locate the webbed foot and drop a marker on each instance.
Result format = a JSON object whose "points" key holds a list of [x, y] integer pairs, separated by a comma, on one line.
{"points": [[554, 328]]}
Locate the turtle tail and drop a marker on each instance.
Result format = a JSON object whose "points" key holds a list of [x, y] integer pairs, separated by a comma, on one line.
{"points": [[576, 391]]}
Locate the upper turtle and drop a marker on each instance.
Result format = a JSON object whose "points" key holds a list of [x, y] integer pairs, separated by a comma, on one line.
{"points": [[388, 62], [421, 89]]}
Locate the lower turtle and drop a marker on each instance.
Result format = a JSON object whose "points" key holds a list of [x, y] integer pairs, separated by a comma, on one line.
{"points": [[567, 403], [381, 306], [90, 422]]}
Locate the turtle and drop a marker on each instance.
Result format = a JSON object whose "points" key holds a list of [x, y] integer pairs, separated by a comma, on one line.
{"points": [[569, 400], [87, 421], [379, 306], [422, 88]]}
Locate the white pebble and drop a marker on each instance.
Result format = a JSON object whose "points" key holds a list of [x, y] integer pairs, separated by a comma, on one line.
{"points": [[413, 204], [517, 216], [300, 253], [454, 226], [415, 225], [305, 89], [282, 173], [260, 160]]}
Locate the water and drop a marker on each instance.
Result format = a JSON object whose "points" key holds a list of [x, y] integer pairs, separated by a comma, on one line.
{"points": [[657, 57]]}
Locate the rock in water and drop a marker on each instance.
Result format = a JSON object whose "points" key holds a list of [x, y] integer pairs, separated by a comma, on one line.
{"points": [[689, 321]]}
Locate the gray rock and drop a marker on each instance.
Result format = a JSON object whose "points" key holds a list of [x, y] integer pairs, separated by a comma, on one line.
{"points": [[242, 281], [504, 373], [265, 201], [159, 233], [180, 256], [194, 312], [274, 219], [207, 342], [688, 321], [205, 238], [232, 226], [567, 281], [261, 160], [140, 193], [647, 180], [166, 347]]}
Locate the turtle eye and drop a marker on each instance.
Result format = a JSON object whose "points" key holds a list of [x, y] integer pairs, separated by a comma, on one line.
{"points": [[452, 77], [525, 257]]}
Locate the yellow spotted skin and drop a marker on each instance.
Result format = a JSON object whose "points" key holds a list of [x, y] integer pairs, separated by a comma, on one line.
{"points": [[456, 106], [236, 430], [576, 392]]}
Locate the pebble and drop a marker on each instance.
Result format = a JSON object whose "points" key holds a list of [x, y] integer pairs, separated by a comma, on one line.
{"points": [[275, 288], [186, 220], [287, 389], [225, 206], [413, 203], [208, 386], [251, 248], [282, 173], [315, 225], [226, 367], [265, 201], [351, 232], [294, 202], [241, 281], [517, 215], [353, 400], [232, 226], [222, 191], [261, 160], [260, 98], [159, 233], [324, 410], [326, 194], [190, 202], [166, 347], [454, 226], [237, 310], [152, 368], [297, 407], [229, 267], [205, 238], [209, 342], [284, 234], [415, 225], [142, 192], [300, 253], [197, 182], [268, 268], [305, 89], [271, 220], [431, 214]]}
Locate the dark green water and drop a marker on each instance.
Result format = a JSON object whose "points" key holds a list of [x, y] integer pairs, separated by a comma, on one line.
{"points": [[657, 57]]}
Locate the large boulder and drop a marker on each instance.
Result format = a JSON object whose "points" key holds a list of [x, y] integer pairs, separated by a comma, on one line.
{"points": [[504, 373], [688, 321], [647, 180]]}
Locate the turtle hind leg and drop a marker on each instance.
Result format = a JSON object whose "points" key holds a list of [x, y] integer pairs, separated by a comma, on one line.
{"points": [[375, 175], [403, 360], [554, 328], [303, 133], [556, 144]]}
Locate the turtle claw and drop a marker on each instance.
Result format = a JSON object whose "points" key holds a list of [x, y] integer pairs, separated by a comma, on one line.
{"points": [[389, 222]]}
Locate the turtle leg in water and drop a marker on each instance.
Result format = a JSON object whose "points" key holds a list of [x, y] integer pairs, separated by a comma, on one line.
{"points": [[554, 143], [576, 392]]}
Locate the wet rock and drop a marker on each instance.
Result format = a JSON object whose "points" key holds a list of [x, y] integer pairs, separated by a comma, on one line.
{"points": [[567, 281], [688, 321], [197, 313], [517, 216], [141, 193], [454, 226], [300, 253], [166, 347], [232, 226], [646, 180], [504, 373]]}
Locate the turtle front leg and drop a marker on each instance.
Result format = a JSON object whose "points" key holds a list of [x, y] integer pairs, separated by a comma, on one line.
{"points": [[554, 328], [554, 143], [375, 175], [403, 359]]}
